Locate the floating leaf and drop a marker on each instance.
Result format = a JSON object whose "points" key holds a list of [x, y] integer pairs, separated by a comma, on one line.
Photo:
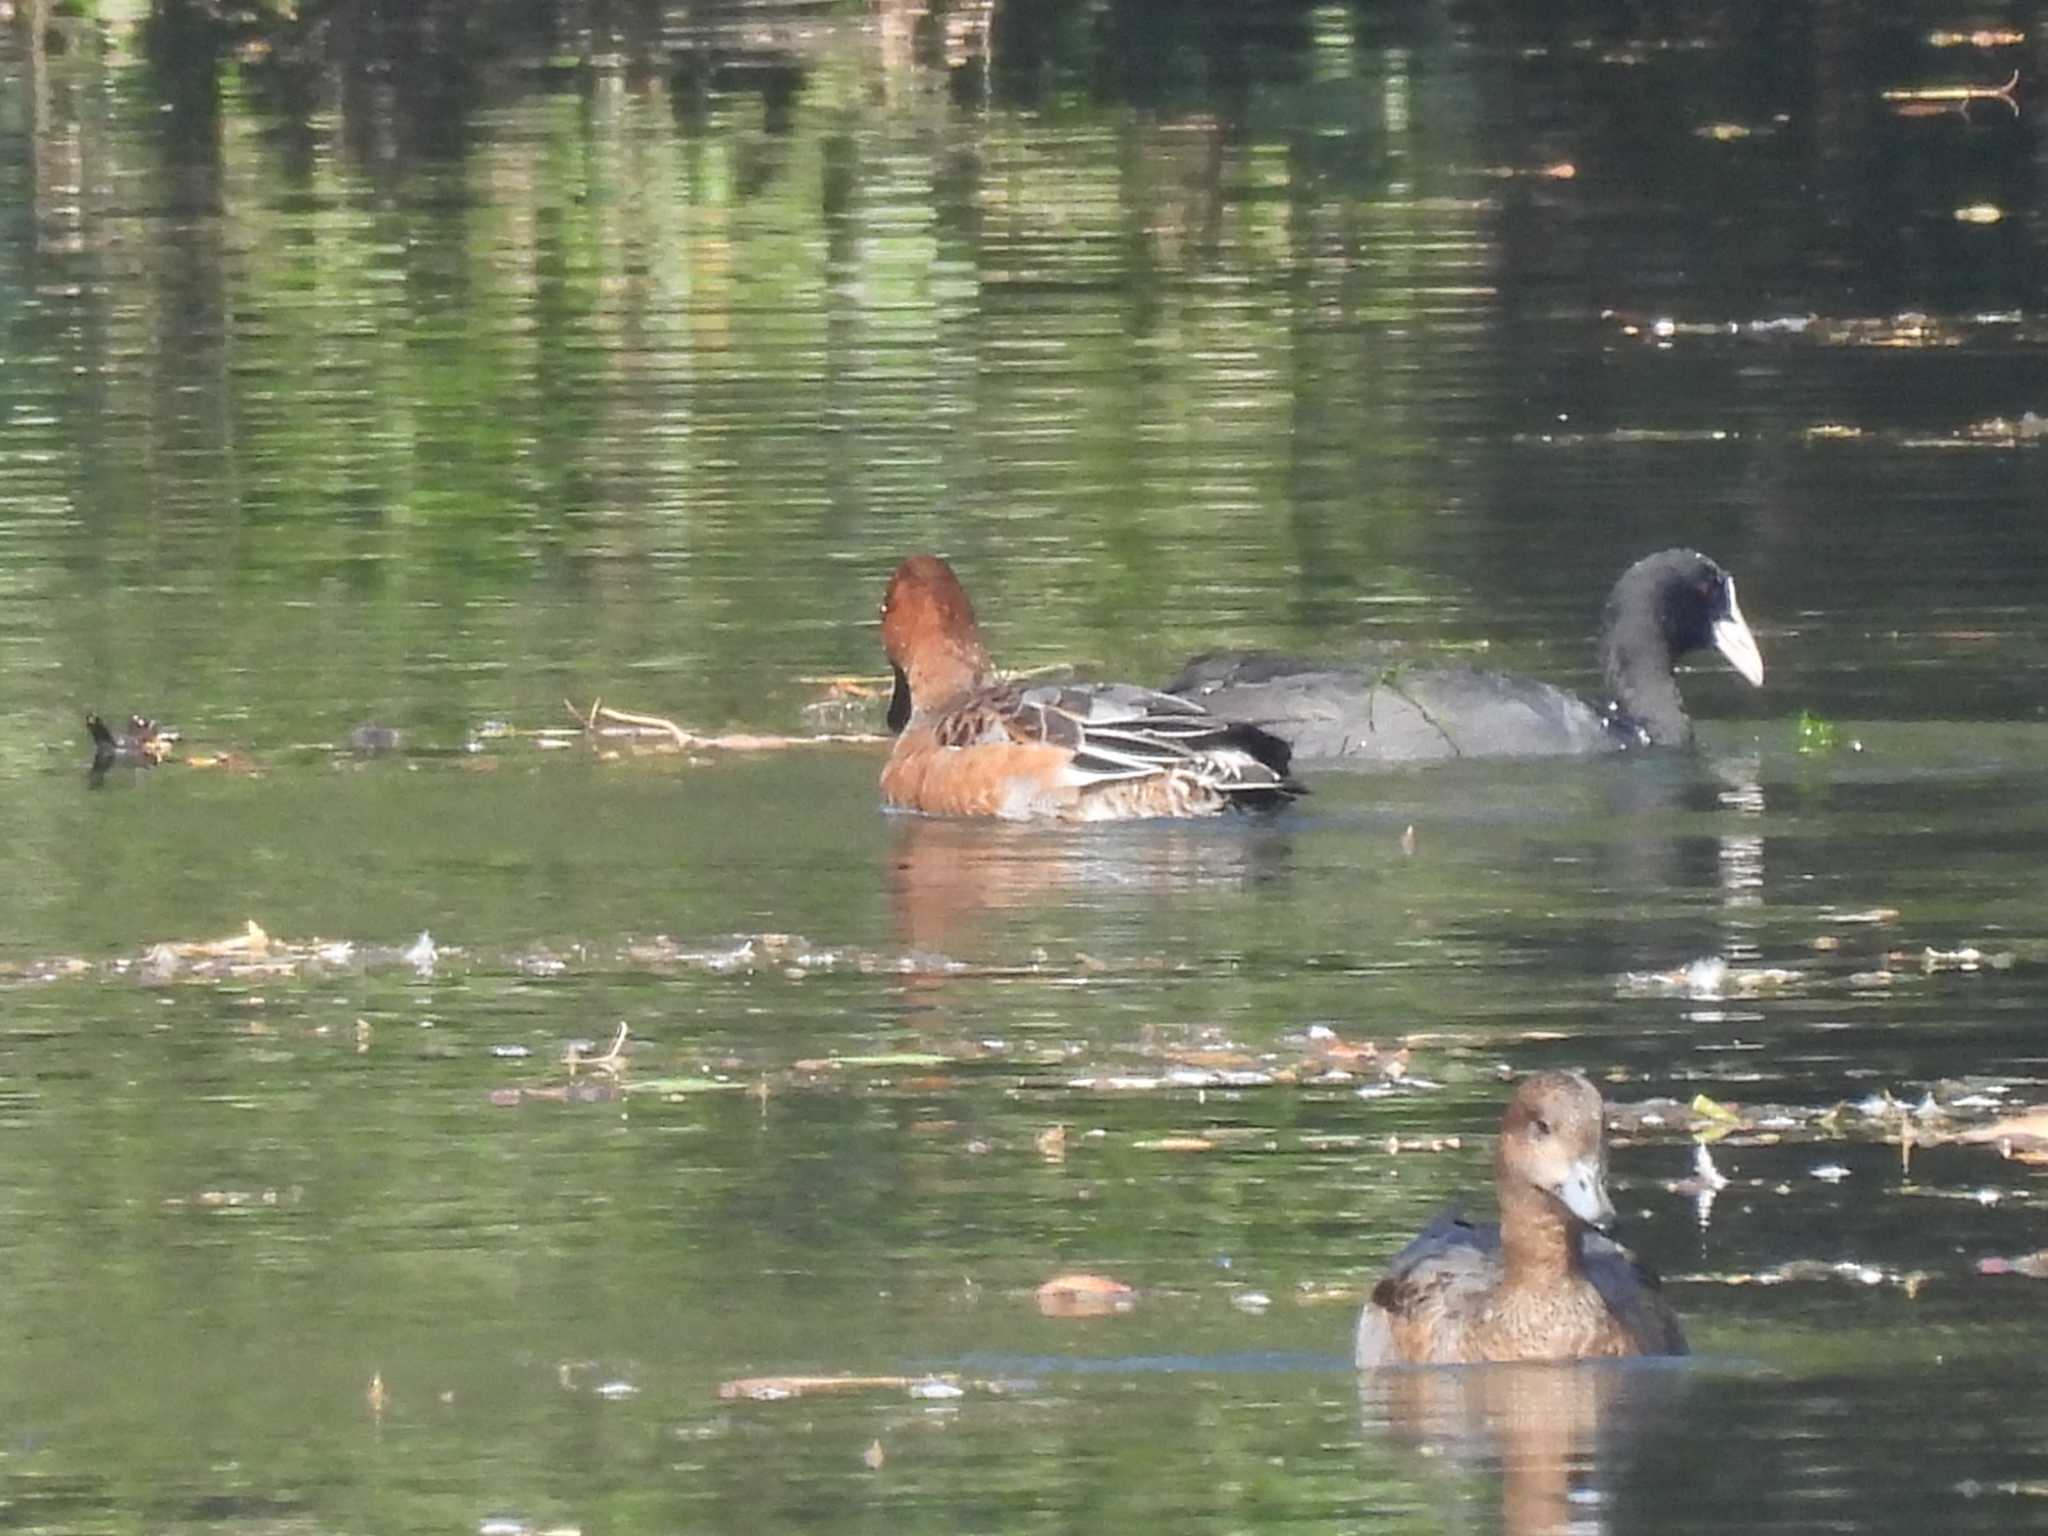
{"points": [[1082, 1295], [2033, 1265]]}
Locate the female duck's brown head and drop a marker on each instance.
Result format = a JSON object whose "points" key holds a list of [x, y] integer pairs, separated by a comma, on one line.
{"points": [[930, 634], [1551, 1143]]}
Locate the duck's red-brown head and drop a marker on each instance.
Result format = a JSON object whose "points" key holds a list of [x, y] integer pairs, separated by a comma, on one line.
{"points": [[930, 634]]}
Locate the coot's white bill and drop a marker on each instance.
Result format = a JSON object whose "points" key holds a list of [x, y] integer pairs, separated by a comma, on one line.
{"points": [[1733, 640]]}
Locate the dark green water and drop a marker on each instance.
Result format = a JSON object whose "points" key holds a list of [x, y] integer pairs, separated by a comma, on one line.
{"points": [[433, 365]]}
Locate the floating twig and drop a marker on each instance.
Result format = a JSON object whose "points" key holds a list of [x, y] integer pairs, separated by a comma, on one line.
{"points": [[1957, 96], [601, 716], [769, 1389], [611, 1061]]}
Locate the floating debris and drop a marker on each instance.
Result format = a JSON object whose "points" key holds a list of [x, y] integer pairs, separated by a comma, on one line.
{"points": [[1558, 170], [1394, 1146], [1909, 328], [1810, 1271], [1982, 37], [600, 722], [2022, 1137], [2033, 1265], [1735, 133], [2008, 432], [1084, 1295], [1707, 979], [776, 1389], [1958, 97]]}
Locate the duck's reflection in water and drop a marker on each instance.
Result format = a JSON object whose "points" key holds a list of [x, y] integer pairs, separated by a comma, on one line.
{"points": [[1559, 1435], [953, 883]]}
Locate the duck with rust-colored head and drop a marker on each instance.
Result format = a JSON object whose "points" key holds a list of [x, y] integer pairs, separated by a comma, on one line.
{"points": [[1546, 1283], [969, 744]]}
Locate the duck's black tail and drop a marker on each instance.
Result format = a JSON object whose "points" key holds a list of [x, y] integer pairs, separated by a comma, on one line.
{"points": [[1258, 793]]}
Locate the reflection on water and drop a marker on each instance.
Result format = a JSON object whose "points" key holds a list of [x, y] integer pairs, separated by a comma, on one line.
{"points": [[431, 364], [1552, 1433], [947, 878]]}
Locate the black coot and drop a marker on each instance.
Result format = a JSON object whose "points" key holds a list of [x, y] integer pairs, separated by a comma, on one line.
{"points": [[1664, 607]]}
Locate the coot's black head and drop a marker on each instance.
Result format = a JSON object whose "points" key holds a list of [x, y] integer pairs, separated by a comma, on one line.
{"points": [[1665, 607]]}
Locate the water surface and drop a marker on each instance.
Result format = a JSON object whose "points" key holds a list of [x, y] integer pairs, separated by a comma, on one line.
{"points": [[380, 368]]}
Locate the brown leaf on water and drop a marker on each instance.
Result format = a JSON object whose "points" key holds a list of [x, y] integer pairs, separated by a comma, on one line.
{"points": [[873, 1457], [1214, 1059], [1331, 1046], [1052, 1143], [1316, 1295], [2033, 1265], [1084, 1295], [251, 942], [1175, 1144]]}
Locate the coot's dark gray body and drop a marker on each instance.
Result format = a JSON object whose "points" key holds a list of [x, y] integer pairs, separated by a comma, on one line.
{"points": [[1664, 607], [1394, 713]]}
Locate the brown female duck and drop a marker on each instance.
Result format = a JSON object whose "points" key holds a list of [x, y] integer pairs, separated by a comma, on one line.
{"points": [[1544, 1284]]}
